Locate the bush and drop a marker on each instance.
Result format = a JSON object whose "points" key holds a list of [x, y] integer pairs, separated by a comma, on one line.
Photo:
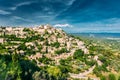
{"points": [[102, 78], [39, 47], [55, 44], [57, 73], [26, 29], [119, 78], [102, 59], [63, 50], [41, 39], [54, 70], [78, 53], [112, 77], [32, 38], [62, 61], [44, 60], [29, 52], [22, 47], [97, 71], [91, 62]]}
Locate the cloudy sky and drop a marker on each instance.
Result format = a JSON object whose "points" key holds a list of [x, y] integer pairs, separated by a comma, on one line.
{"points": [[71, 15]]}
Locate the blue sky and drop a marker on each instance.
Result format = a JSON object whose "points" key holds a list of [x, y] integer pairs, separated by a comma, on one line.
{"points": [[71, 15]]}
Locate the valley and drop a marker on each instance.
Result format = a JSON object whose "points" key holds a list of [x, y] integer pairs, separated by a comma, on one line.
{"points": [[48, 53]]}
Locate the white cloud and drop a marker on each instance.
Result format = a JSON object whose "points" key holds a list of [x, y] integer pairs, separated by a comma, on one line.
{"points": [[4, 12], [63, 25], [71, 2], [21, 4], [43, 16], [23, 19], [65, 9]]}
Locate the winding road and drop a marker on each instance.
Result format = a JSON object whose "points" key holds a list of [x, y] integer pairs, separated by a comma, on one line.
{"points": [[90, 70]]}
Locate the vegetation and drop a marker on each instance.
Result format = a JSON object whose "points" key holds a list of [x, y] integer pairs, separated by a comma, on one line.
{"points": [[55, 44], [44, 60], [112, 77], [63, 50], [37, 55], [102, 78], [78, 54]]}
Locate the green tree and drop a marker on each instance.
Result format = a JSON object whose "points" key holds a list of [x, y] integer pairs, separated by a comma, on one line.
{"points": [[26, 29]]}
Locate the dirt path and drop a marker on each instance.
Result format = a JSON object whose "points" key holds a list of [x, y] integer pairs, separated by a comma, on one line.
{"points": [[81, 75], [90, 70]]}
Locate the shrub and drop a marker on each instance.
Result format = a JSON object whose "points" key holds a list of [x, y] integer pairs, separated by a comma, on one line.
{"points": [[91, 62], [32, 38], [112, 77], [54, 70], [63, 50], [22, 47], [55, 44], [26, 29], [29, 52], [78, 53], [57, 73], [119, 78], [39, 47], [102, 59], [62, 61], [44, 60], [102, 78], [41, 39]]}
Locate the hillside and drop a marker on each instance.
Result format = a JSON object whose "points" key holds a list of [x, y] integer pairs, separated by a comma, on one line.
{"points": [[47, 53]]}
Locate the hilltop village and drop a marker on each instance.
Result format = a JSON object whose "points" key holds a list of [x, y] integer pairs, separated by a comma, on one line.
{"points": [[45, 53]]}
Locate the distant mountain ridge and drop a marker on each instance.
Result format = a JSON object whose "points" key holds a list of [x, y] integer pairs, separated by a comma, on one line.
{"points": [[99, 35]]}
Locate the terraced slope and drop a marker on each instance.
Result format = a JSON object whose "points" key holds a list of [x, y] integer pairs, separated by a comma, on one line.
{"points": [[47, 53]]}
